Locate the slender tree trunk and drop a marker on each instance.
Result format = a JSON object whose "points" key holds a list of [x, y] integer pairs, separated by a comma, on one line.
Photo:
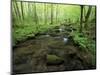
{"points": [[45, 14], [22, 10], [81, 18], [84, 13], [35, 14], [29, 10], [17, 10], [14, 14], [88, 13], [57, 13], [17, 17], [87, 16], [51, 13]]}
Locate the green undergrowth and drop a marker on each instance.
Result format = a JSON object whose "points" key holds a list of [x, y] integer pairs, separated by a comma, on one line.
{"points": [[84, 42], [22, 32]]}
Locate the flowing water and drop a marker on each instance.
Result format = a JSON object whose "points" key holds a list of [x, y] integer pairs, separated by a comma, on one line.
{"points": [[31, 55]]}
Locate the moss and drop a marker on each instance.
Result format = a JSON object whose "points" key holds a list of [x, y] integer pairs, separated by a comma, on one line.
{"points": [[54, 60]]}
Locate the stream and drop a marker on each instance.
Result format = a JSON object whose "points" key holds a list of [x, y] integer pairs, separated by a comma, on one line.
{"points": [[31, 55]]}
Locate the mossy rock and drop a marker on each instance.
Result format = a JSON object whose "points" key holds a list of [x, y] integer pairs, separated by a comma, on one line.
{"points": [[54, 60]]}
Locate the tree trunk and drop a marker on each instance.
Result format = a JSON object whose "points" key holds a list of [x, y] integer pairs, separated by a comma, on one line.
{"points": [[51, 13], [35, 14], [22, 10], [81, 18], [45, 14], [88, 13], [87, 16], [17, 11], [57, 13]]}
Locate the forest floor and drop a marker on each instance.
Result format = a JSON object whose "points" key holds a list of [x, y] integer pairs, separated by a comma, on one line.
{"points": [[49, 53]]}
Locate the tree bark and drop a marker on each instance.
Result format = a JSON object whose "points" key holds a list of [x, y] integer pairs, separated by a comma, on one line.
{"points": [[45, 14], [17, 9], [81, 18], [87, 16], [22, 10], [35, 14], [57, 13], [88, 13], [51, 13]]}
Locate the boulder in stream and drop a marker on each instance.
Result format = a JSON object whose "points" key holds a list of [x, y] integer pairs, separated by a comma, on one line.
{"points": [[54, 60]]}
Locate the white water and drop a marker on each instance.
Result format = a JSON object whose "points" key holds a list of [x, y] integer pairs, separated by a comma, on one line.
{"points": [[65, 40], [47, 35], [60, 30]]}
